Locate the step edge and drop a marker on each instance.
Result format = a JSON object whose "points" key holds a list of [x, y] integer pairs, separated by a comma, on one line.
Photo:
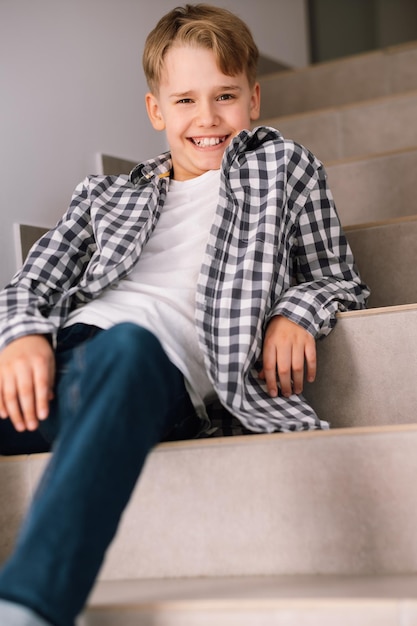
{"points": [[383, 310], [334, 163], [406, 219], [255, 604], [311, 67], [258, 438], [271, 438]]}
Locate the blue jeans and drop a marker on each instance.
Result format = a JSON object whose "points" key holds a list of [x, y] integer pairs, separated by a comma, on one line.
{"points": [[117, 395]]}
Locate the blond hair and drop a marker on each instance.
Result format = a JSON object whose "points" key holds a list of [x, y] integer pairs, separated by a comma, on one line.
{"points": [[204, 26]]}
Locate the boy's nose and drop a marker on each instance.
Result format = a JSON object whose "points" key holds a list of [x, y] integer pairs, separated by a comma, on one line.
{"points": [[206, 115]]}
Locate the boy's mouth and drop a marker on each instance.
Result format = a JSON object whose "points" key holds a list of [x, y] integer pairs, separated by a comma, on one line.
{"points": [[208, 142]]}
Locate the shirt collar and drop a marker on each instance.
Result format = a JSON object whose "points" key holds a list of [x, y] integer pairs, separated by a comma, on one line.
{"points": [[157, 168]]}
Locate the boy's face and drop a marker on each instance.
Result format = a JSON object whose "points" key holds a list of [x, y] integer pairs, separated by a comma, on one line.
{"points": [[200, 108]]}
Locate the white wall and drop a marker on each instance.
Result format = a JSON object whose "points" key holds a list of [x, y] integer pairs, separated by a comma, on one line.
{"points": [[71, 86]]}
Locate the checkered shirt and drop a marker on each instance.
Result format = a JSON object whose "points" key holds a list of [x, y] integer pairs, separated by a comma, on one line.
{"points": [[276, 247]]}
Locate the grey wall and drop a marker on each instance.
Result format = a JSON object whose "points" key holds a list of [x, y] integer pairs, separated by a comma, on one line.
{"points": [[396, 21], [71, 86], [344, 27]]}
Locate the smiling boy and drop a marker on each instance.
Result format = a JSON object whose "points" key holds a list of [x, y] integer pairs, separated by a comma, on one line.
{"points": [[205, 276]]}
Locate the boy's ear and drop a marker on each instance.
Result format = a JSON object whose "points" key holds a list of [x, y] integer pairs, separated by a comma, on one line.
{"points": [[255, 109], [154, 112]]}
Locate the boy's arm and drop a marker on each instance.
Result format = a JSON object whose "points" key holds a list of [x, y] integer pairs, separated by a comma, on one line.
{"points": [[326, 281], [35, 301], [32, 308]]}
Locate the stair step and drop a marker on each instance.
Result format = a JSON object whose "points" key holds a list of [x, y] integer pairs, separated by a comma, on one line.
{"points": [[256, 601], [367, 369], [15, 490], [343, 81], [386, 255], [113, 166], [365, 128], [337, 502], [375, 188]]}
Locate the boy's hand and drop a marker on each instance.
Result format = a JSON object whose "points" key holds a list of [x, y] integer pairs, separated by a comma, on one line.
{"points": [[286, 345], [27, 373]]}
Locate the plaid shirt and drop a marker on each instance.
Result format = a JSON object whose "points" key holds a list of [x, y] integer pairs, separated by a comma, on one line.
{"points": [[275, 248]]}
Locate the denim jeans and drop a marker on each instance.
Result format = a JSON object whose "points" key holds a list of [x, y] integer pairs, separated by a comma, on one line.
{"points": [[117, 395]]}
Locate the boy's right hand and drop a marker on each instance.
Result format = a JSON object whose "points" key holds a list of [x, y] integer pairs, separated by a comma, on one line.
{"points": [[27, 374]]}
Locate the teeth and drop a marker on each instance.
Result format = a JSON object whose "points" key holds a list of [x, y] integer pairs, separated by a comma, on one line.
{"points": [[208, 141]]}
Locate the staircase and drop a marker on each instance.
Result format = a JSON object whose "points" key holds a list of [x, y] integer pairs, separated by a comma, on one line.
{"points": [[306, 529]]}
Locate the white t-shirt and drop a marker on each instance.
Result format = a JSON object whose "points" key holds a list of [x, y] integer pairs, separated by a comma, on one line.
{"points": [[159, 294]]}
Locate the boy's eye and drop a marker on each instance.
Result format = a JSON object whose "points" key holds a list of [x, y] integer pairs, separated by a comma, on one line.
{"points": [[226, 96], [184, 101]]}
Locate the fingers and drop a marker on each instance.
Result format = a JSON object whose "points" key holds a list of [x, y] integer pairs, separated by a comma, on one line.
{"points": [[26, 379], [43, 382], [18, 398], [288, 351], [285, 366], [311, 360]]}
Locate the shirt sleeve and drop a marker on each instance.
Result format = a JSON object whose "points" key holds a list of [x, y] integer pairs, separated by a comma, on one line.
{"points": [[37, 298], [326, 279]]}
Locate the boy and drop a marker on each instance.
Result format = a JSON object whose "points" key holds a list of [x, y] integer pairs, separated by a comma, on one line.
{"points": [[205, 275]]}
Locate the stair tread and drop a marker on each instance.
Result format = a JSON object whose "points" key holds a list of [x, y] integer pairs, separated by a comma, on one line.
{"points": [[264, 601], [252, 589]]}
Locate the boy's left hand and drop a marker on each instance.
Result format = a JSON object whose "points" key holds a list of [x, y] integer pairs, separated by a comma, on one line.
{"points": [[286, 345]]}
